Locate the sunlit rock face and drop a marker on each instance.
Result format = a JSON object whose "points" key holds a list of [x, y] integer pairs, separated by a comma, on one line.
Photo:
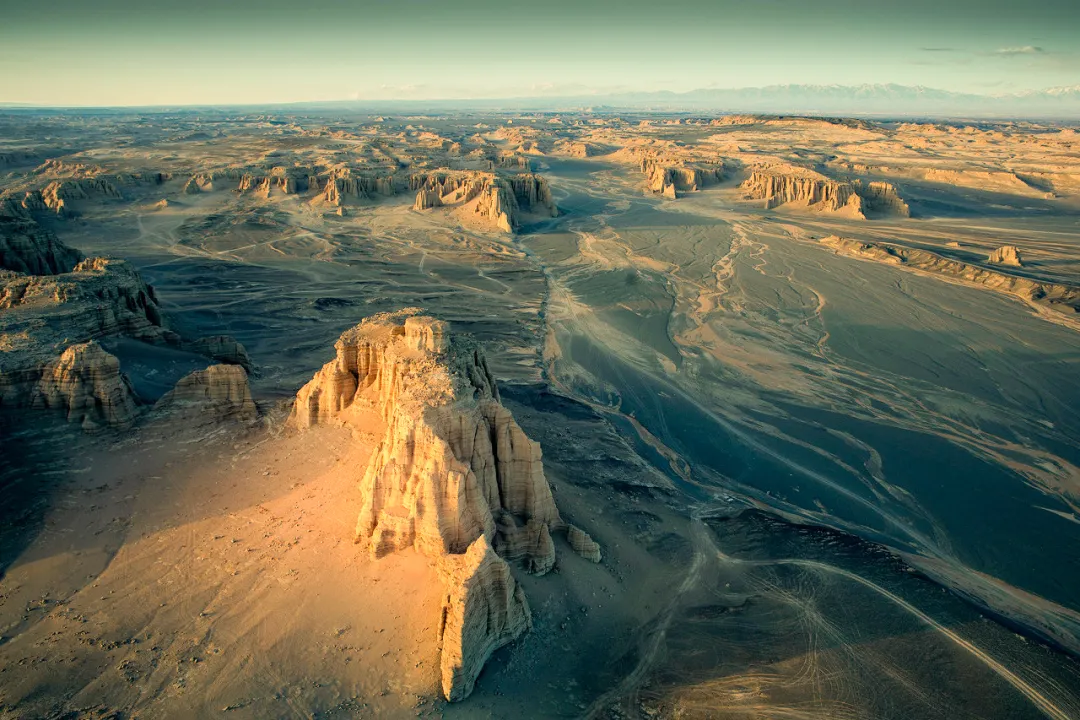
{"points": [[85, 382], [453, 476], [782, 188], [216, 394], [496, 201], [1006, 255]]}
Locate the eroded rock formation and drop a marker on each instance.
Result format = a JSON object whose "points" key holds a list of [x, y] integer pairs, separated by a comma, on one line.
{"points": [[1053, 296], [216, 394], [778, 189], [85, 382], [1005, 255], [493, 200], [27, 248], [854, 198], [55, 305], [882, 198], [668, 178], [454, 476], [484, 609]]}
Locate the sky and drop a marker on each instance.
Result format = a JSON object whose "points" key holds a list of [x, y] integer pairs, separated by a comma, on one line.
{"points": [[152, 52]]}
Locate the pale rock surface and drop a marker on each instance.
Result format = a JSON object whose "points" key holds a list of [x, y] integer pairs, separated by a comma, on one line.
{"points": [[85, 382], [821, 193], [1006, 255], [583, 545], [667, 178], [484, 609], [492, 200], [453, 476], [215, 394], [800, 187]]}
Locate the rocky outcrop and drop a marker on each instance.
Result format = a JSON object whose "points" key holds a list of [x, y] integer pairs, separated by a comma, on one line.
{"points": [[484, 609], [100, 297], [222, 348], [1006, 255], [85, 382], [27, 248], [882, 198], [217, 394], [583, 545], [57, 196], [1053, 296], [493, 200], [341, 184], [854, 198], [818, 192], [453, 469], [670, 178]]}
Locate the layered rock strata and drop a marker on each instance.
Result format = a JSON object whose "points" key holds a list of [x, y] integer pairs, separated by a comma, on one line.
{"points": [[778, 189], [824, 194], [668, 179], [1053, 296], [53, 306], [494, 200], [85, 383], [217, 394], [1006, 255], [454, 476]]}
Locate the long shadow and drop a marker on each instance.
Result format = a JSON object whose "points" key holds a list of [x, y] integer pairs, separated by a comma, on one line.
{"points": [[777, 606], [33, 471]]}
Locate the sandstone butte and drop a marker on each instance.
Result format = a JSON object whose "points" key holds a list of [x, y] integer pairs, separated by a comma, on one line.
{"points": [[453, 476]]}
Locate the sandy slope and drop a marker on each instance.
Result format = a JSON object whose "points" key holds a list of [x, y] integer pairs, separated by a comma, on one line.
{"points": [[230, 587]]}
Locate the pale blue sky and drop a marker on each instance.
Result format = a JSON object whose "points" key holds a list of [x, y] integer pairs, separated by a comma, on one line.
{"points": [[124, 52]]}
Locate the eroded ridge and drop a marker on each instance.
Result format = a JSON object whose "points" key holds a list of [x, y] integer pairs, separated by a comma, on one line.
{"points": [[453, 476]]}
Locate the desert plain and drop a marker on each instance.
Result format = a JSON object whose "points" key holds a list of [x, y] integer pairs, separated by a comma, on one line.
{"points": [[735, 416]]}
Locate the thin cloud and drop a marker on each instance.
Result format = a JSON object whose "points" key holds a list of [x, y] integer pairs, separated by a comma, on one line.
{"points": [[1020, 50], [939, 49]]}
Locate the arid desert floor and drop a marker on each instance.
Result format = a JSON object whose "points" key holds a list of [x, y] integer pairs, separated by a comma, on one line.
{"points": [[788, 373]]}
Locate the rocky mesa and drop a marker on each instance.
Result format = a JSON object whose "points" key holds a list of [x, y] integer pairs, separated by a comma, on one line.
{"points": [[453, 476]]}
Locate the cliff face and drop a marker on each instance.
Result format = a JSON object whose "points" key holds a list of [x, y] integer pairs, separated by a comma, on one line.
{"points": [[85, 382], [494, 200], [483, 610], [821, 193], [216, 394], [668, 178], [452, 470], [54, 305], [1006, 255], [882, 198], [27, 248], [824, 194]]}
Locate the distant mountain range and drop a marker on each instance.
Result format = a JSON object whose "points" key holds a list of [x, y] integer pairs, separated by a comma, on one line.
{"points": [[874, 100], [879, 100], [887, 99]]}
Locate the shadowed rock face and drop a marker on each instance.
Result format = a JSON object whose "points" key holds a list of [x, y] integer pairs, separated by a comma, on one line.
{"points": [[452, 470], [55, 305], [26, 248]]}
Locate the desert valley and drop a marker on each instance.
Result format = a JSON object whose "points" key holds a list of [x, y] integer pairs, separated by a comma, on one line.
{"points": [[323, 413]]}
